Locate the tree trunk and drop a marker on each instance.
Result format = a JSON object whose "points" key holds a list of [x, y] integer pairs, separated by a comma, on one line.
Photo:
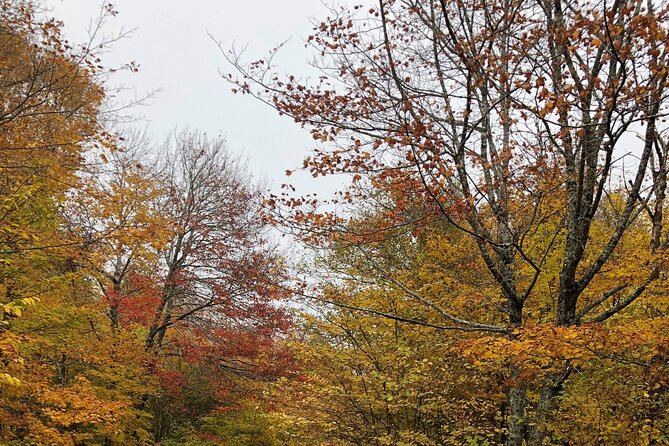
{"points": [[516, 421], [551, 388]]}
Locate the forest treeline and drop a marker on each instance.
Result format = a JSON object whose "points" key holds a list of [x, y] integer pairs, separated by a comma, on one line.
{"points": [[493, 274]]}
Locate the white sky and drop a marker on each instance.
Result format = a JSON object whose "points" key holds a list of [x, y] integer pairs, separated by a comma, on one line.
{"points": [[177, 56]]}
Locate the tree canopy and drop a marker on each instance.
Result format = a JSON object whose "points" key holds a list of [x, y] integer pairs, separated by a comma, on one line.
{"points": [[492, 273]]}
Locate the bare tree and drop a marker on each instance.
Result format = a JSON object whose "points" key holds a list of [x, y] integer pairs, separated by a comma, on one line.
{"points": [[218, 263]]}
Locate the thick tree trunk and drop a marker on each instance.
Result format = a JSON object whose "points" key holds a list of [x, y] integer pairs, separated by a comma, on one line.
{"points": [[552, 386], [517, 401]]}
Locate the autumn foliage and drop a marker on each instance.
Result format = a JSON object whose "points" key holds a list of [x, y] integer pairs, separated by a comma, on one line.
{"points": [[508, 166], [139, 291], [493, 272]]}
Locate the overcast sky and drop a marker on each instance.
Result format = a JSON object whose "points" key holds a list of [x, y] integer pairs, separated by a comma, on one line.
{"points": [[175, 54]]}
